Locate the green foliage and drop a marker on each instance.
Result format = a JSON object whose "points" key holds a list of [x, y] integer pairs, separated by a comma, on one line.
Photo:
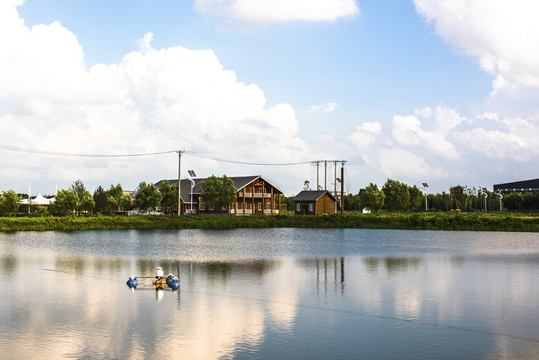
{"points": [[352, 202], [397, 196], [147, 197], [65, 203], [416, 199], [100, 199], [169, 196], [9, 203], [87, 202], [418, 221], [218, 191], [372, 198]]}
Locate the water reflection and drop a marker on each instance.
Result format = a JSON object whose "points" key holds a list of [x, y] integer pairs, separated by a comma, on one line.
{"points": [[431, 305]]}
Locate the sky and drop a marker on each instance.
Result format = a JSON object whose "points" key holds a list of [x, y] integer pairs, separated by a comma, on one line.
{"points": [[443, 92]]}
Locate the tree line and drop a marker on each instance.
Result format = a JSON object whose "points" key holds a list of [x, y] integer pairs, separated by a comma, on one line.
{"points": [[399, 197], [77, 200]]}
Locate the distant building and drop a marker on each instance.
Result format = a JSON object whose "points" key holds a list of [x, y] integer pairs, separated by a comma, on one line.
{"points": [[517, 186], [314, 202], [255, 195]]}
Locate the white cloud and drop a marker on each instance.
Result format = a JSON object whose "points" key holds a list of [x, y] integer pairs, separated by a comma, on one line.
{"points": [[456, 149], [503, 35], [264, 11], [145, 44], [407, 131], [326, 108], [365, 135], [153, 100], [396, 162]]}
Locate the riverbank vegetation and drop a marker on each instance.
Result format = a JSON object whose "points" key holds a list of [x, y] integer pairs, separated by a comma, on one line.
{"points": [[414, 221]]}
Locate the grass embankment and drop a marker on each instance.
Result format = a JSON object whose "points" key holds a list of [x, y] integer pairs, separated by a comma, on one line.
{"points": [[417, 221]]}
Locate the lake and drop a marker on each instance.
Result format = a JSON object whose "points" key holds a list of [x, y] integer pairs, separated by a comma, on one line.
{"points": [[270, 293]]}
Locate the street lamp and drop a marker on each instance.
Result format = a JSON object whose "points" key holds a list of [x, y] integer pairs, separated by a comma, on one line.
{"points": [[501, 197], [192, 174], [425, 186]]}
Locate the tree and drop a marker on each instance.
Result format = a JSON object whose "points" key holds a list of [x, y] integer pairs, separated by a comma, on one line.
{"points": [[169, 195], [87, 202], [65, 202], [147, 197], [78, 188], [9, 203], [100, 200], [125, 202], [416, 198], [397, 196], [306, 185], [372, 198], [218, 191]]}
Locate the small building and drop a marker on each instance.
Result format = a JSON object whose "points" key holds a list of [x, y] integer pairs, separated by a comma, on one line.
{"points": [[314, 202], [517, 186]]}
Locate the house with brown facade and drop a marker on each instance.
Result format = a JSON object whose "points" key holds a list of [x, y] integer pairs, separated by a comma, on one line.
{"points": [[314, 202], [254, 195]]}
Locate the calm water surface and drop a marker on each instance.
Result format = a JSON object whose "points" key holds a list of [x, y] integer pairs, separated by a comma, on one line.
{"points": [[270, 293]]}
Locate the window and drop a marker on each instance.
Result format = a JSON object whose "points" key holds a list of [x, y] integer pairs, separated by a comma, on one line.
{"points": [[211, 207], [298, 207], [224, 208], [259, 206], [268, 206], [311, 207], [240, 206], [202, 206]]}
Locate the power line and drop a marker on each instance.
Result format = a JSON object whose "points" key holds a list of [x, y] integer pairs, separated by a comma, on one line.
{"points": [[244, 162], [188, 152], [57, 153]]}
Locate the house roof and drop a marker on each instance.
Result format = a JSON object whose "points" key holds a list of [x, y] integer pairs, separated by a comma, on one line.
{"points": [[524, 185], [311, 195], [240, 182]]}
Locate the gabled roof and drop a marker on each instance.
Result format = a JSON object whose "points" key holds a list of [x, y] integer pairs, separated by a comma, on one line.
{"points": [[312, 195], [240, 182]]}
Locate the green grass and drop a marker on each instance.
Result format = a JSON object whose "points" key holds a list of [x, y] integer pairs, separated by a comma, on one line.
{"points": [[416, 221]]}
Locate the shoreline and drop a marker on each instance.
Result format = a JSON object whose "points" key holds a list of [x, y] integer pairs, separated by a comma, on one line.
{"points": [[510, 222]]}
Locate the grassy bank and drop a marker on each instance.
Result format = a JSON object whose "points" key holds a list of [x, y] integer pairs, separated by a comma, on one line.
{"points": [[417, 221]]}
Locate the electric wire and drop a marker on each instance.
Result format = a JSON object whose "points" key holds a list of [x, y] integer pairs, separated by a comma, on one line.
{"points": [[188, 152]]}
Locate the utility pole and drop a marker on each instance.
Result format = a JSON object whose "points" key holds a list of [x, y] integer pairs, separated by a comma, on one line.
{"points": [[325, 174], [317, 175], [179, 182], [342, 187]]}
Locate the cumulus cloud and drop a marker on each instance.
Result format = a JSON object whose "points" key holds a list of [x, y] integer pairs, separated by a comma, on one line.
{"points": [[328, 107], [153, 100], [502, 35], [407, 131], [365, 135], [265, 11], [436, 143]]}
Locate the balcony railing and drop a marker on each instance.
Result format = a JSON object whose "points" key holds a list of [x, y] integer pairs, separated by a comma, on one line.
{"points": [[249, 195]]}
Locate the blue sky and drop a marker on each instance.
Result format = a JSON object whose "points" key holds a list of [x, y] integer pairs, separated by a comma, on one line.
{"points": [[442, 92]]}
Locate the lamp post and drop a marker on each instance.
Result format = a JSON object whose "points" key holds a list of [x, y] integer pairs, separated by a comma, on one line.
{"points": [[425, 187], [501, 197], [192, 174]]}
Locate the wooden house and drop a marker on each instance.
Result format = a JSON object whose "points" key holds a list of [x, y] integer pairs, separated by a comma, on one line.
{"points": [[314, 202], [254, 195]]}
